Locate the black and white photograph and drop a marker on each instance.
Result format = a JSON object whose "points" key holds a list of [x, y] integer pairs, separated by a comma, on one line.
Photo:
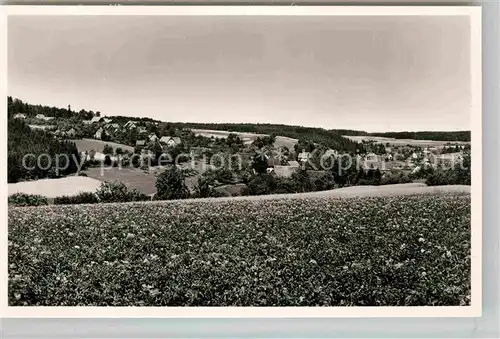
{"points": [[241, 160]]}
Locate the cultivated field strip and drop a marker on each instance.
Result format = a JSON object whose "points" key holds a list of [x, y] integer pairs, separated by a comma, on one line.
{"points": [[329, 251]]}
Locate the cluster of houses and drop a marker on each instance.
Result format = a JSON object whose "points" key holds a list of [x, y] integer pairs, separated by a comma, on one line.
{"points": [[69, 132], [393, 160], [38, 116], [106, 126]]}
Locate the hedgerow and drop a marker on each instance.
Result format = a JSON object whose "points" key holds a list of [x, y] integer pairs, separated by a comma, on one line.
{"points": [[81, 198], [383, 251], [23, 199]]}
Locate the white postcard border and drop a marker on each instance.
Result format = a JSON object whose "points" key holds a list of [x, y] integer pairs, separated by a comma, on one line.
{"points": [[475, 310]]}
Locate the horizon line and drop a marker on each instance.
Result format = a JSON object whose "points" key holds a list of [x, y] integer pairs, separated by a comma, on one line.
{"points": [[251, 123]]}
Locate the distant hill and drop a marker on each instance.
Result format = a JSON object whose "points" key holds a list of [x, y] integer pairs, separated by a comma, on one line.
{"points": [[330, 138], [420, 135], [437, 136]]}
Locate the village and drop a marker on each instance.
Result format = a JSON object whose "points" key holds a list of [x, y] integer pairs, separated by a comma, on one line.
{"points": [[115, 149]]}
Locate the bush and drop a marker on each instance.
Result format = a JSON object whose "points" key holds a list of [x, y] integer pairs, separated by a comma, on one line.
{"points": [[189, 172], [440, 177], [395, 178], [107, 160], [81, 198], [112, 192], [135, 161], [260, 185], [245, 175], [284, 186], [370, 177], [259, 163], [135, 195], [23, 199], [124, 160], [324, 182], [116, 191], [204, 189], [107, 149], [224, 175], [92, 163], [459, 175], [302, 181], [170, 185]]}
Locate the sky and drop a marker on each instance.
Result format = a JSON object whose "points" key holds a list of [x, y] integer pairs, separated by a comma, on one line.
{"points": [[366, 73]]}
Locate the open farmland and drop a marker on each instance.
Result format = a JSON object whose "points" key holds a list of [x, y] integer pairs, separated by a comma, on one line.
{"points": [[247, 138], [133, 178], [98, 145], [143, 181], [52, 188], [324, 251], [402, 142]]}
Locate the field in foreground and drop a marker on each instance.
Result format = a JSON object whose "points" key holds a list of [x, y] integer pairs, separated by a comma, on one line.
{"points": [[52, 188], [380, 251]]}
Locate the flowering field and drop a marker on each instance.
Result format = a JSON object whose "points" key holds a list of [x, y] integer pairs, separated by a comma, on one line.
{"points": [[386, 251]]}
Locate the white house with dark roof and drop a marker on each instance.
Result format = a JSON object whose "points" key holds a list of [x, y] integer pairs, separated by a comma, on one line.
{"points": [[96, 120], [71, 132], [112, 127], [152, 137], [170, 141], [131, 124], [43, 117]]}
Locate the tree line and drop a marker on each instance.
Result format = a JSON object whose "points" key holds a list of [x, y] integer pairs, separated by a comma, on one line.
{"points": [[15, 106]]}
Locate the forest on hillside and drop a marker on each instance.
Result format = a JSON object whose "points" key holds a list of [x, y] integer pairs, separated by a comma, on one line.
{"points": [[35, 154], [420, 135], [430, 135]]}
